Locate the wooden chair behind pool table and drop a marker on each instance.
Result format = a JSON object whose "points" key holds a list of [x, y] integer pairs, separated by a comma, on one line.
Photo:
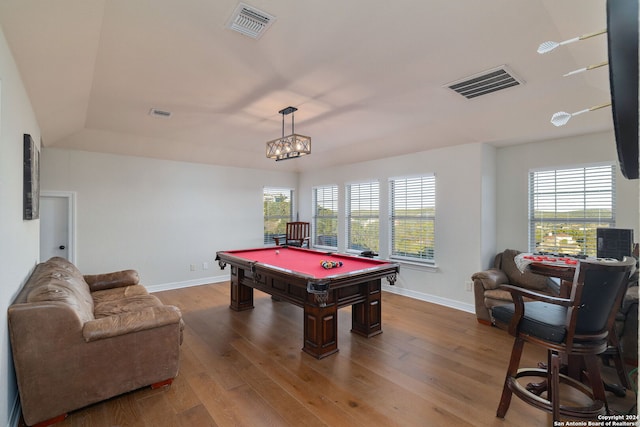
{"points": [[297, 234]]}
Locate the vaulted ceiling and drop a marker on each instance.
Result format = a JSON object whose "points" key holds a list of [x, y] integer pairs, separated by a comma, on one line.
{"points": [[369, 77]]}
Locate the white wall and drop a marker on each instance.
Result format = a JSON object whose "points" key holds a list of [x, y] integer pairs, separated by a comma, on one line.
{"points": [[465, 214], [159, 216], [488, 206], [19, 240], [514, 163]]}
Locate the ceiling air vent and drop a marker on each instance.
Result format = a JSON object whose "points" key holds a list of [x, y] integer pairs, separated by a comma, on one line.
{"points": [[250, 21], [485, 82], [160, 113]]}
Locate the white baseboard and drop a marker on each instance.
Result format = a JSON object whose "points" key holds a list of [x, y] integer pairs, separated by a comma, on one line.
{"points": [[186, 284], [16, 411], [469, 308]]}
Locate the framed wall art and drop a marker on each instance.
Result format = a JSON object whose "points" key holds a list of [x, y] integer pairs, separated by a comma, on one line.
{"points": [[31, 179]]}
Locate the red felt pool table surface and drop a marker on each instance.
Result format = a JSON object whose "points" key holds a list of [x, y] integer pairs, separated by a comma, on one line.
{"points": [[307, 262]]}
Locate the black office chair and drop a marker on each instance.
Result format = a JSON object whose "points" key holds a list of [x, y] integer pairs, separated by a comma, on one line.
{"points": [[577, 327]]}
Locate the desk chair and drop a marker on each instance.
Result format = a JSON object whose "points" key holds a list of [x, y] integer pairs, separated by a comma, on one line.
{"points": [[576, 327], [297, 234]]}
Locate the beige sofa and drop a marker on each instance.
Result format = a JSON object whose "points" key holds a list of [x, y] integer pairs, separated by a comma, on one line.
{"points": [[77, 340], [486, 284]]}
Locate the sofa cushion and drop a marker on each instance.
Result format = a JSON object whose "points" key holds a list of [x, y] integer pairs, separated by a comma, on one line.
{"points": [[116, 294], [58, 280], [498, 294], [116, 279], [493, 297], [524, 279], [125, 305], [65, 264], [133, 321]]}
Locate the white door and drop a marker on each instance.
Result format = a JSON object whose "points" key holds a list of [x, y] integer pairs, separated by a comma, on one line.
{"points": [[56, 226]]}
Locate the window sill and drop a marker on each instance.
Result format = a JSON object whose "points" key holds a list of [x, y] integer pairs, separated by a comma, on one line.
{"points": [[423, 266], [332, 249]]}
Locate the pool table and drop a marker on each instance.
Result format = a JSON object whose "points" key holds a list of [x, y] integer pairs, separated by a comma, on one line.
{"points": [[296, 275]]}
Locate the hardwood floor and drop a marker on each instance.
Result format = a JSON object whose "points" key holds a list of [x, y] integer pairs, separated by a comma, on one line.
{"points": [[432, 366]]}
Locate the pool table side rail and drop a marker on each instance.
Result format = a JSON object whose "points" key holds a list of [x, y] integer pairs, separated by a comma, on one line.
{"points": [[384, 270]]}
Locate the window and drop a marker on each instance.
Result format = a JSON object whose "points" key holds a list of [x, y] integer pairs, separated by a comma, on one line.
{"points": [[412, 217], [362, 214], [325, 216], [567, 205], [278, 210]]}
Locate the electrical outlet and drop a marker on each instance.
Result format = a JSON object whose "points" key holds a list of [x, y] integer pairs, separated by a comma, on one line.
{"points": [[192, 267], [468, 285], [205, 265]]}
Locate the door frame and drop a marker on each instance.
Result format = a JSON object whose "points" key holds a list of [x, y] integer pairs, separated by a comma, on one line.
{"points": [[70, 197]]}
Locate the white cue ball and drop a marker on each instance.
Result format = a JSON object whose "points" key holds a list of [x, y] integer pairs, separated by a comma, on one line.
{"points": [[277, 252]]}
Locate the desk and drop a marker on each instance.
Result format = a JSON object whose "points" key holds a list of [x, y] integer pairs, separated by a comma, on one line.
{"points": [[296, 275]]}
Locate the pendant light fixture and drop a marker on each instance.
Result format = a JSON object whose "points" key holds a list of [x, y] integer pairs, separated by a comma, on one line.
{"points": [[290, 146]]}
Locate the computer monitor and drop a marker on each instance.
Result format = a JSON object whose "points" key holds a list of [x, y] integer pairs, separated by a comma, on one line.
{"points": [[614, 243]]}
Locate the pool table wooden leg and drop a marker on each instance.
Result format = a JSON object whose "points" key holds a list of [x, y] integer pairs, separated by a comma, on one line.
{"points": [[241, 295], [366, 317], [320, 328]]}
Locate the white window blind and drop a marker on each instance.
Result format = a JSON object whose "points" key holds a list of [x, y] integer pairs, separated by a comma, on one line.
{"points": [[566, 206], [363, 216], [325, 216], [278, 210], [412, 217]]}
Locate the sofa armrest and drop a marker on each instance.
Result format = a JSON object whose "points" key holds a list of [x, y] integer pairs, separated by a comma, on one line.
{"points": [[491, 278], [98, 282], [124, 323], [32, 327]]}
